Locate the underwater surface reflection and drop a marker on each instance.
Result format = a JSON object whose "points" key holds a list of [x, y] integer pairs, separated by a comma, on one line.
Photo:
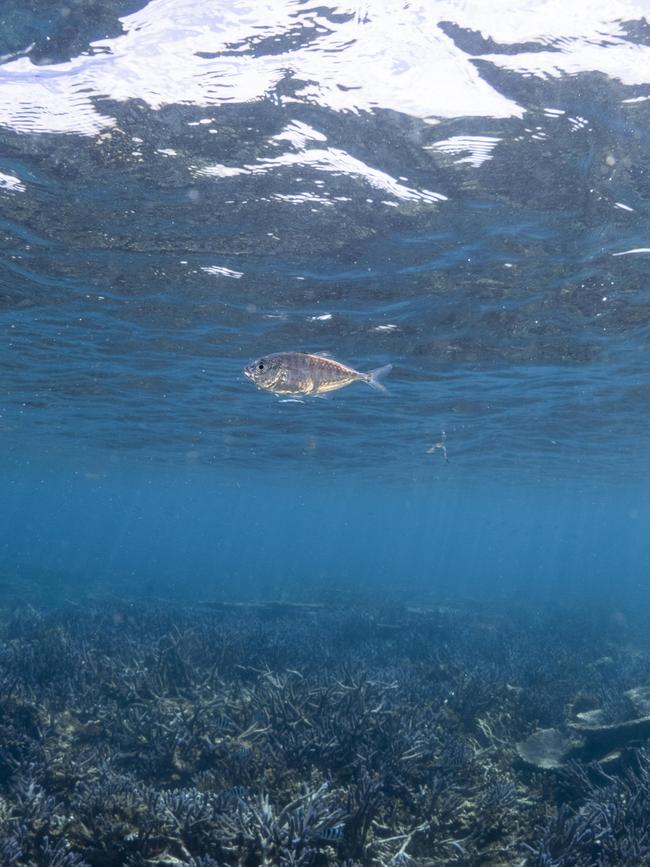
{"points": [[458, 190]]}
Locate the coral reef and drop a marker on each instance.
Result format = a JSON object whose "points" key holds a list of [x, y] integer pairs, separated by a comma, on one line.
{"points": [[145, 733]]}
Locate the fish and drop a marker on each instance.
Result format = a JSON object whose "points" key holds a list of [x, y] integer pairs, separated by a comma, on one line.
{"points": [[304, 373], [333, 833], [231, 798]]}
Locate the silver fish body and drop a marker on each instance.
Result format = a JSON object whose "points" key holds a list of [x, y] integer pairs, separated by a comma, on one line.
{"points": [[303, 374]]}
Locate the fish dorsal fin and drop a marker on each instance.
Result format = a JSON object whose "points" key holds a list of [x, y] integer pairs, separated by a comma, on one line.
{"points": [[322, 353]]}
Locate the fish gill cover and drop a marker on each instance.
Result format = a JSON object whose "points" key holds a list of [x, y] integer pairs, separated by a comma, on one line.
{"points": [[388, 630]]}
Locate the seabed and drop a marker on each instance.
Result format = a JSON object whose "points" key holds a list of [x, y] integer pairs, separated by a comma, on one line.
{"points": [[154, 733]]}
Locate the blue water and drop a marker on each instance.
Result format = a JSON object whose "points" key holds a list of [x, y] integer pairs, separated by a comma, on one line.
{"points": [[459, 189]]}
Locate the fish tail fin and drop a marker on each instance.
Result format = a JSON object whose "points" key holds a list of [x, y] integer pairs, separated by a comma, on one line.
{"points": [[374, 377]]}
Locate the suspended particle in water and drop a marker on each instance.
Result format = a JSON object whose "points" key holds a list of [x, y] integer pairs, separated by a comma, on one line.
{"points": [[440, 446]]}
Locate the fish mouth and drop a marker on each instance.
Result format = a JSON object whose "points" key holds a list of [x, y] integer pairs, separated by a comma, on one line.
{"points": [[248, 372]]}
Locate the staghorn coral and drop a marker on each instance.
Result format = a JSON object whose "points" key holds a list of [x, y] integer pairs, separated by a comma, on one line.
{"points": [[138, 734], [609, 824]]}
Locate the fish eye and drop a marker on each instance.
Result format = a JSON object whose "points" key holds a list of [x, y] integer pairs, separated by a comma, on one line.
{"points": [[260, 366]]}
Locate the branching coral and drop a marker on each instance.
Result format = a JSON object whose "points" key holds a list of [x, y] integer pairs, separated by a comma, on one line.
{"points": [[262, 736]]}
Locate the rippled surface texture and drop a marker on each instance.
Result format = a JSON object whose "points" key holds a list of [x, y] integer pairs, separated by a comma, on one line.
{"points": [[454, 188]]}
